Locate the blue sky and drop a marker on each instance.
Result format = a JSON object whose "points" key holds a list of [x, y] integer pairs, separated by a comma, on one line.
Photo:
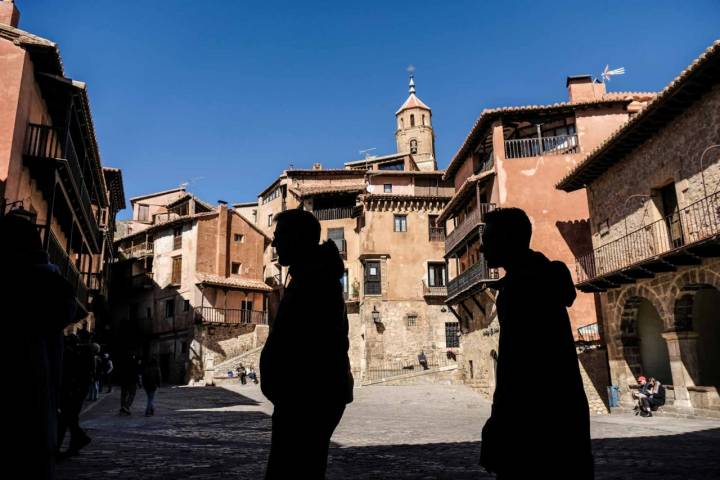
{"points": [[228, 93]]}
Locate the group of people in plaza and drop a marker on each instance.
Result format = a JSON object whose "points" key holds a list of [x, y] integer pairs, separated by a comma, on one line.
{"points": [[650, 396], [244, 373]]}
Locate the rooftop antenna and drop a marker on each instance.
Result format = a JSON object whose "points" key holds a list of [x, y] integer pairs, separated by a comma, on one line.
{"points": [[607, 73], [366, 153], [186, 184]]}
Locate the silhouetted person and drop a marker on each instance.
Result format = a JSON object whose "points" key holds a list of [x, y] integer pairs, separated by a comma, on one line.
{"points": [[129, 381], [151, 380], [310, 327], [33, 293], [78, 364], [422, 360], [107, 369], [540, 424]]}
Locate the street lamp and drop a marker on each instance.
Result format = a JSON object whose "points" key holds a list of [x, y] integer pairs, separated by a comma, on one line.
{"points": [[702, 172], [376, 315]]}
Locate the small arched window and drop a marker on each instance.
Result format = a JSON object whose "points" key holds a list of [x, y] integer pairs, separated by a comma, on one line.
{"points": [[413, 146], [412, 120], [402, 123], [423, 120]]}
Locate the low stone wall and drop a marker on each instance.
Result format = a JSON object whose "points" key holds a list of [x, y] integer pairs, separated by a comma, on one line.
{"points": [[442, 376], [595, 376]]}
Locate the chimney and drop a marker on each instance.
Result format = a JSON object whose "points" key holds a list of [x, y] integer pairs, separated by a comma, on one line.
{"points": [[317, 166], [9, 14], [222, 236], [582, 88]]}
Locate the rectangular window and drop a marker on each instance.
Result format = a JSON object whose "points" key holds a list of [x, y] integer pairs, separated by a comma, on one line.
{"points": [[270, 220], [436, 233], [436, 274], [170, 308], [176, 270], [236, 268], [452, 340], [143, 213], [387, 188], [177, 238], [337, 235], [412, 320], [372, 278], [401, 223], [239, 238], [246, 305], [186, 305], [345, 284]]}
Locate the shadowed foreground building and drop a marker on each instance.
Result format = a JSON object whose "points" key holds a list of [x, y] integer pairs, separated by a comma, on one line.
{"points": [[513, 157], [50, 168], [653, 188], [188, 284]]}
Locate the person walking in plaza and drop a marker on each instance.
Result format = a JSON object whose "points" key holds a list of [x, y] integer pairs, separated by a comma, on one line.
{"points": [[106, 375], [151, 380], [129, 382], [532, 307], [28, 279], [95, 373], [242, 373], [310, 324], [252, 375]]}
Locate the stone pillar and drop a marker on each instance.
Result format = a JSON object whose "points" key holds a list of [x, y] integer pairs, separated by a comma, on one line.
{"points": [[682, 350], [209, 368]]}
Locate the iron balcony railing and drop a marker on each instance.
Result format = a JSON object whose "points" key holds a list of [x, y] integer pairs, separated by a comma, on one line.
{"points": [[58, 256], [472, 221], [333, 213], [437, 234], [44, 141], [694, 223], [588, 334], [382, 369], [230, 316], [477, 273], [536, 147], [434, 290]]}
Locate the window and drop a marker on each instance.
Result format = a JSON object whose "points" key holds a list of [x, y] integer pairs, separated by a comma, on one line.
{"points": [[170, 308], [387, 188], [246, 305], [143, 213], [604, 227], [176, 270], [186, 305], [423, 120], [399, 165], [236, 268], [402, 123], [270, 220], [240, 238], [337, 235], [413, 146], [345, 283], [436, 274], [272, 195], [177, 238], [400, 223], [411, 319], [372, 278], [412, 120], [452, 339], [437, 233]]}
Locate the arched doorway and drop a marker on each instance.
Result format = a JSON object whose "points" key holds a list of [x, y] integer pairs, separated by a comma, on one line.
{"points": [[706, 323], [653, 348]]}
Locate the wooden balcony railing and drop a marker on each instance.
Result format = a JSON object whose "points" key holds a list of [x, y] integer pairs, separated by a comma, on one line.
{"points": [[472, 221], [692, 224], [476, 274], [337, 213], [232, 316], [58, 256], [434, 290], [536, 147], [140, 250]]}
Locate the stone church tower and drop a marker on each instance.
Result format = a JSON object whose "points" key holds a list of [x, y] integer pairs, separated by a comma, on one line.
{"points": [[414, 134]]}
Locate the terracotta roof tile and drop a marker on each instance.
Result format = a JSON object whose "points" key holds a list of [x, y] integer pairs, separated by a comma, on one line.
{"points": [[233, 282]]}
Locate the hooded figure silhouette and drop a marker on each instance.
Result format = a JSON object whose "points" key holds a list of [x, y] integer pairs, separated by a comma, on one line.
{"points": [[310, 328], [534, 330]]}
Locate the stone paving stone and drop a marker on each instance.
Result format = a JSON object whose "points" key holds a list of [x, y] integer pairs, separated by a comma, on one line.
{"points": [[411, 432]]}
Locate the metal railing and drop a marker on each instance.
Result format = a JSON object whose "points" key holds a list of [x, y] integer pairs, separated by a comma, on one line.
{"points": [[473, 220], [437, 234], [696, 222], [588, 333], [434, 290], [535, 147], [58, 256], [477, 273], [230, 316], [380, 370], [44, 141], [333, 213]]}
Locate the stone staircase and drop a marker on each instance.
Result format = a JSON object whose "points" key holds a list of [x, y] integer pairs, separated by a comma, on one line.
{"points": [[250, 358]]}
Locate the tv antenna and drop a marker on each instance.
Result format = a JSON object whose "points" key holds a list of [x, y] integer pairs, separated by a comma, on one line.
{"points": [[607, 73], [366, 153], [186, 184]]}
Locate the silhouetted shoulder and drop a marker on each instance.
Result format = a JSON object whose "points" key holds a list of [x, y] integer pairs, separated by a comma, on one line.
{"points": [[562, 282]]}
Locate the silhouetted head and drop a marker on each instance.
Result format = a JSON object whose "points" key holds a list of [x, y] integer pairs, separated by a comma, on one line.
{"points": [[20, 241], [297, 232], [506, 236]]}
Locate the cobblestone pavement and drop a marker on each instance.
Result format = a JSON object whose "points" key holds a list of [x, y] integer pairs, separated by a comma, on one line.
{"points": [[424, 432]]}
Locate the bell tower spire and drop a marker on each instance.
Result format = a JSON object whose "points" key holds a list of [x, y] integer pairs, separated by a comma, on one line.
{"points": [[414, 134]]}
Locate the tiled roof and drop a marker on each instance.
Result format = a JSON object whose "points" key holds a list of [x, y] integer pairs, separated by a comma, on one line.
{"points": [[114, 182], [670, 102], [412, 102], [464, 189], [487, 116], [157, 194], [170, 223], [302, 191], [233, 282]]}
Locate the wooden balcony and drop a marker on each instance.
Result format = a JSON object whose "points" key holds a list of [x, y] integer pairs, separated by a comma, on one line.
{"points": [[537, 147], [434, 290], [229, 316], [337, 213], [680, 239], [59, 257], [470, 226], [477, 277], [140, 250]]}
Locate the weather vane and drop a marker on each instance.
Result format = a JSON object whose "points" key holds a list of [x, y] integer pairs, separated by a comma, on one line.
{"points": [[607, 73]]}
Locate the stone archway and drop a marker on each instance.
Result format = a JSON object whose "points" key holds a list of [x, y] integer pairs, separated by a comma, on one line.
{"points": [[652, 346], [706, 323]]}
